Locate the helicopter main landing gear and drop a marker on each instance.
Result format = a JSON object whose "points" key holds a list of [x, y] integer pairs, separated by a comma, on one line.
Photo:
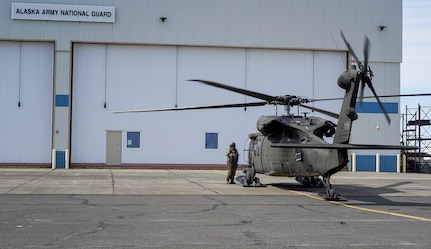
{"points": [[331, 195], [317, 182], [249, 179], [312, 181]]}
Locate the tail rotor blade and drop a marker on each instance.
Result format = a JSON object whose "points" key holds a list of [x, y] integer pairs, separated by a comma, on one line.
{"points": [[351, 51], [380, 103], [366, 52], [361, 96]]}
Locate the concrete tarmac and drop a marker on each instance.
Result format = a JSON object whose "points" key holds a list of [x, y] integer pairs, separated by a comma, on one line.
{"points": [[113, 208]]}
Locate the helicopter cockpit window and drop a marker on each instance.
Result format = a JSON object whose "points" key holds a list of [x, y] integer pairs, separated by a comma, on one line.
{"points": [[133, 139], [211, 141]]}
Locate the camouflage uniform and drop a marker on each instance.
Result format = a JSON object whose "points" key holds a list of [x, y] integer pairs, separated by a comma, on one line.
{"points": [[232, 162]]}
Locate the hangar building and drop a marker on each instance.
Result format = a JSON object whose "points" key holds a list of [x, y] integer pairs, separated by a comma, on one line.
{"points": [[67, 65]]}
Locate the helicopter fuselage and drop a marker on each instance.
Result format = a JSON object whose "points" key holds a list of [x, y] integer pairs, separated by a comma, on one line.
{"points": [[264, 157]]}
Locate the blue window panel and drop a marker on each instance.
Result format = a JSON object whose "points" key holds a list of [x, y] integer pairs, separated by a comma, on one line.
{"points": [[368, 163], [374, 107], [365, 163], [61, 100], [211, 141], [388, 163], [60, 159], [133, 139]]}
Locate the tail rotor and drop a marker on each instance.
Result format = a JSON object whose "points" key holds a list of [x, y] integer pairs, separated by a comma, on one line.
{"points": [[365, 73]]}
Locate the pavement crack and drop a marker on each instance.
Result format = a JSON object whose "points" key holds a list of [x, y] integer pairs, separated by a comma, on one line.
{"points": [[213, 207], [112, 181], [239, 223], [308, 209], [84, 201], [27, 182], [215, 199], [188, 180]]}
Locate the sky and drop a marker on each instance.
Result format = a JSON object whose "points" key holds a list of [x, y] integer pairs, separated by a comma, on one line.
{"points": [[416, 61]]}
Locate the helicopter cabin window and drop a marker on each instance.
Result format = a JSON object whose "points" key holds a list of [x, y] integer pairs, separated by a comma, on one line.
{"points": [[133, 139], [211, 141]]}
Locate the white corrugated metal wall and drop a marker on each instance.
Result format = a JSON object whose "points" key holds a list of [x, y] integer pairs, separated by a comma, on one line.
{"points": [[142, 77], [26, 70]]}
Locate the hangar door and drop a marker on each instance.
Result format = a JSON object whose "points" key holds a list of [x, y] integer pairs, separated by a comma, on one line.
{"points": [[26, 82], [109, 78]]}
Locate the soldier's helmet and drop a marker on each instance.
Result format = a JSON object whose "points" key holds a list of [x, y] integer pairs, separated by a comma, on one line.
{"points": [[232, 145]]}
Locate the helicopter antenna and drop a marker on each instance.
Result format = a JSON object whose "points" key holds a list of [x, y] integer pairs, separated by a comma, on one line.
{"points": [[287, 110]]}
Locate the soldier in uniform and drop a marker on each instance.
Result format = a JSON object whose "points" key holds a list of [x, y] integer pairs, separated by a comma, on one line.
{"points": [[232, 162]]}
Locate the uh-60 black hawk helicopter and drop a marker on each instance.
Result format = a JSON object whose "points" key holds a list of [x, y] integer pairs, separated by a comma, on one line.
{"points": [[294, 146]]}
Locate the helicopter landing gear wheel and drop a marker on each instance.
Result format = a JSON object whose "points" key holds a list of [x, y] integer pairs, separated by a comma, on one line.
{"points": [[330, 192], [250, 175], [249, 178]]}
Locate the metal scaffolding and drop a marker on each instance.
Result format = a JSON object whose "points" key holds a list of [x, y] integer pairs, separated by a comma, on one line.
{"points": [[417, 132]]}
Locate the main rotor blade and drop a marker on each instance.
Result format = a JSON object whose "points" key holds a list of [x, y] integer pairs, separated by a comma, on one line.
{"points": [[195, 107], [351, 50], [331, 114], [381, 96], [344, 146], [261, 96], [403, 95]]}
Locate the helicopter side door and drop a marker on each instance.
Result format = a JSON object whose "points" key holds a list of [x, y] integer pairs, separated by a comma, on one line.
{"points": [[255, 153]]}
